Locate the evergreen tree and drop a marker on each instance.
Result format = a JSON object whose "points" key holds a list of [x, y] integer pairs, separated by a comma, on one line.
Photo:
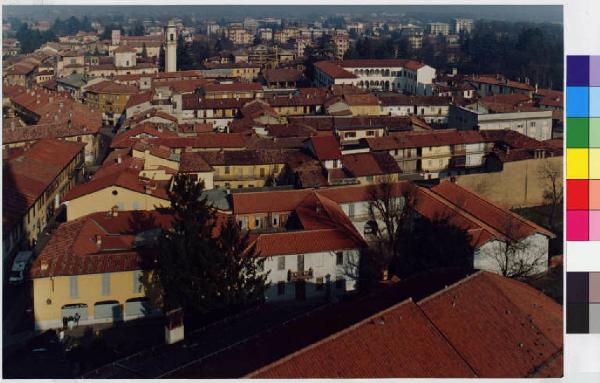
{"points": [[184, 59], [198, 272], [161, 59]]}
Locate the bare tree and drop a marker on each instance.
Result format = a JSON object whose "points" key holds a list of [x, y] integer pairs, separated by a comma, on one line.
{"points": [[393, 205], [551, 174], [515, 257]]}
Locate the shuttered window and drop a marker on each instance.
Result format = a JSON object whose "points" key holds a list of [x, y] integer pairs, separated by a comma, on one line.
{"points": [[73, 287], [106, 284]]}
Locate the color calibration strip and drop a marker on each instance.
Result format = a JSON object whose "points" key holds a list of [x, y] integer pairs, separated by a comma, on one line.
{"points": [[583, 148], [583, 303]]}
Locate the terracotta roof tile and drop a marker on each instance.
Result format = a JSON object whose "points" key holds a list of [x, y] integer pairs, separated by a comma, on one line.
{"points": [[325, 148]]}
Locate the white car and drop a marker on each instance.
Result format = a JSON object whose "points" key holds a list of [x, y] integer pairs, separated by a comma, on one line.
{"points": [[17, 273]]}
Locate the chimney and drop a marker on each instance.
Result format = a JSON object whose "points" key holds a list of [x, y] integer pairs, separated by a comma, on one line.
{"points": [[98, 240], [44, 265], [119, 160], [114, 211]]}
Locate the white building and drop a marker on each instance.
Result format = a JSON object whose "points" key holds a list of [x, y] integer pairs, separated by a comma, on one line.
{"points": [[533, 123], [463, 26], [397, 75], [308, 264], [438, 29]]}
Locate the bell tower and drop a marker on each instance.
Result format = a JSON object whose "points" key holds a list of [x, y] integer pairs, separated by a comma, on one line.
{"points": [[170, 47]]}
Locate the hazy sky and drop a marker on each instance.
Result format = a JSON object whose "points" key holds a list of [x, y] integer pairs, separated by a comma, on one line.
{"points": [[533, 13]]}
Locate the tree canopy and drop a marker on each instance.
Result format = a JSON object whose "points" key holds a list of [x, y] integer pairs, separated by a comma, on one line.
{"points": [[195, 270]]}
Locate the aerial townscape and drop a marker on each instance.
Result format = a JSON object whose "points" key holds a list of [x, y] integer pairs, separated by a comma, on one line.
{"points": [[282, 192]]}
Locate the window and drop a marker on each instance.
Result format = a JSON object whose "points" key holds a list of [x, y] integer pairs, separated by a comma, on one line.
{"points": [[114, 192], [136, 205], [227, 169], [349, 134], [275, 220], [339, 258], [262, 172], [257, 223], [319, 284], [351, 210], [300, 261], [532, 124], [280, 288], [106, 284], [369, 178], [370, 133], [281, 263], [73, 287], [340, 284], [260, 266]]}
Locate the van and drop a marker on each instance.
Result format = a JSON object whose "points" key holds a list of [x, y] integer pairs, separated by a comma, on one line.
{"points": [[19, 267]]}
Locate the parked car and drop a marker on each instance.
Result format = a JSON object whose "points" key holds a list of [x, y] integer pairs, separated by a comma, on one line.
{"points": [[19, 267]]}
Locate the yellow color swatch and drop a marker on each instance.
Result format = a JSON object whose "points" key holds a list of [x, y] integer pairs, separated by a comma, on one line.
{"points": [[577, 164], [594, 164]]}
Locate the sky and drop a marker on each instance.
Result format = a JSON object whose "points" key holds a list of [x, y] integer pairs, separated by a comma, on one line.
{"points": [[530, 13]]}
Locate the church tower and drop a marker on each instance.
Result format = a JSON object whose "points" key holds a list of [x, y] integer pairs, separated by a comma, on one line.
{"points": [[170, 47]]}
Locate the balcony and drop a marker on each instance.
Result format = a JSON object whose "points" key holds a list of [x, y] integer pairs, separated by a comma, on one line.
{"points": [[294, 276]]}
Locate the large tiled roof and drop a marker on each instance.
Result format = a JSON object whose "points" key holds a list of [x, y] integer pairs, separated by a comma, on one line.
{"points": [[143, 131], [304, 241], [503, 220], [245, 157], [123, 176], [483, 326], [111, 87], [325, 148], [193, 162], [26, 177], [424, 139], [282, 74], [73, 250], [370, 164], [235, 87], [414, 100]]}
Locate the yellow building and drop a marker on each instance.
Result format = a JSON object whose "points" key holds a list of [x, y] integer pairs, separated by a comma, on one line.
{"points": [[245, 168], [96, 267], [119, 185], [33, 185], [110, 98]]}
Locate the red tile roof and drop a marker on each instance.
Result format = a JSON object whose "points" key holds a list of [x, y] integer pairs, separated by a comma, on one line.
{"points": [[26, 177], [381, 63], [325, 148], [304, 241], [433, 138], [282, 75], [370, 164], [192, 162], [235, 87], [333, 70], [518, 330], [483, 326], [122, 176], [138, 99], [503, 220], [143, 131], [111, 87], [73, 250]]}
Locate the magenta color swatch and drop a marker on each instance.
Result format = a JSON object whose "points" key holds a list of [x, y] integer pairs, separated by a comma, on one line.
{"points": [[594, 70], [578, 225], [594, 225]]}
